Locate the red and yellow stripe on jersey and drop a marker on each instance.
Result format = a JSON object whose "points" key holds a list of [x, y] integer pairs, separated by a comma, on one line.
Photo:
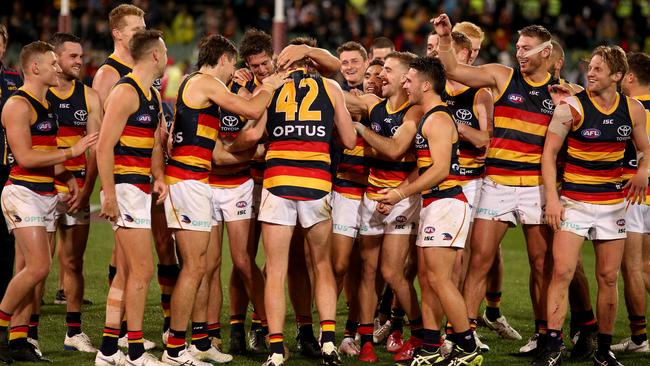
{"points": [[522, 114], [383, 172], [351, 177], [450, 187], [135, 146], [43, 132], [72, 112], [196, 129], [596, 144], [630, 160]]}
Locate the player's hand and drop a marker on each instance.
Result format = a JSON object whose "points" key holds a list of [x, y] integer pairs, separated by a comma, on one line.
{"points": [[260, 151], [560, 92], [356, 92], [242, 76], [384, 208], [110, 210], [554, 214], [442, 25], [291, 54], [73, 199], [84, 143], [637, 188], [276, 80], [388, 196], [160, 191]]}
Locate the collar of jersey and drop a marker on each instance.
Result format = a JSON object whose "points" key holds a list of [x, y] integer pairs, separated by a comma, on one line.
{"points": [[600, 109], [64, 97]]}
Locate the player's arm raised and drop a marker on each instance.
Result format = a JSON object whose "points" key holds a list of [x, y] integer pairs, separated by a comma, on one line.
{"points": [[105, 78], [117, 112], [438, 129], [638, 184], [360, 104], [493, 76], [484, 113], [558, 129], [17, 117], [252, 108], [393, 147], [342, 118], [326, 63]]}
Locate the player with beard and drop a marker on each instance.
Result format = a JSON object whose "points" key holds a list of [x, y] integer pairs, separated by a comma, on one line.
{"points": [[79, 113], [511, 192], [597, 123], [393, 124], [129, 154], [29, 198]]}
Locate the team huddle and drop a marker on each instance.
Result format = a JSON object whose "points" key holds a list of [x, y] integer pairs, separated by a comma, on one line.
{"points": [[412, 166]]}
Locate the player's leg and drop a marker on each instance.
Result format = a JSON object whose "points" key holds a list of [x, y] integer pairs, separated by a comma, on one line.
{"points": [[583, 320], [167, 269], [215, 298]]}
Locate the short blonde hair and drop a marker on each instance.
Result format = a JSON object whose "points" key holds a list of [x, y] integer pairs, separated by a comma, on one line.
{"points": [[469, 29], [614, 57], [117, 15]]}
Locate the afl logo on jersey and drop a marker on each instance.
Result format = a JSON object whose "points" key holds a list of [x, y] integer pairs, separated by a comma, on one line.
{"points": [[375, 126], [591, 133], [45, 126], [144, 118], [81, 115], [464, 114], [229, 121], [516, 98]]}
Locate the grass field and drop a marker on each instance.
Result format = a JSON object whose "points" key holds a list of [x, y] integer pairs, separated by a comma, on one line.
{"points": [[515, 304]]}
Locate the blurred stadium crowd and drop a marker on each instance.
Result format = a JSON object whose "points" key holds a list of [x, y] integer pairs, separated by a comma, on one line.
{"points": [[580, 25]]}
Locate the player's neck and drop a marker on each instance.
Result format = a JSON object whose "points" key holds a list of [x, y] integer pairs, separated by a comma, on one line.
{"points": [[213, 71], [64, 85], [605, 98], [36, 88], [145, 76], [397, 100], [454, 85], [430, 100], [638, 90], [123, 54], [538, 76]]}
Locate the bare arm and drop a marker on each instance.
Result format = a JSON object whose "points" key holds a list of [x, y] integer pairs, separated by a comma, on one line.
{"points": [[105, 78], [95, 113], [326, 63], [252, 108], [17, 117], [360, 104], [221, 156], [249, 135], [492, 76], [638, 184], [393, 147], [484, 113], [342, 118]]}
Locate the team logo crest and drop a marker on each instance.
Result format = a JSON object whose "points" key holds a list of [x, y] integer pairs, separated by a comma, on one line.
{"points": [[17, 218], [185, 219], [446, 236], [128, 218]]}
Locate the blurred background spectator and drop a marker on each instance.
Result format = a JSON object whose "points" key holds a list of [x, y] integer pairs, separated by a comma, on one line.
{"points": [[579, 25]]}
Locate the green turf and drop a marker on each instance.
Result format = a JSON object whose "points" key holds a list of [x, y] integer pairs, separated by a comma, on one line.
{"points": [[515, 304]]}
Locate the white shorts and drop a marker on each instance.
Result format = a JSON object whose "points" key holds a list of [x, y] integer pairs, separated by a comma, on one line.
{"points": [[346, 215], [23, 207], [594, 222], [513, 204], [444, 223], [63, 217], [472, 191], [282, 211], [637, 219], [189, 206], [232, 204], [402, 219], [134, 206]]}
